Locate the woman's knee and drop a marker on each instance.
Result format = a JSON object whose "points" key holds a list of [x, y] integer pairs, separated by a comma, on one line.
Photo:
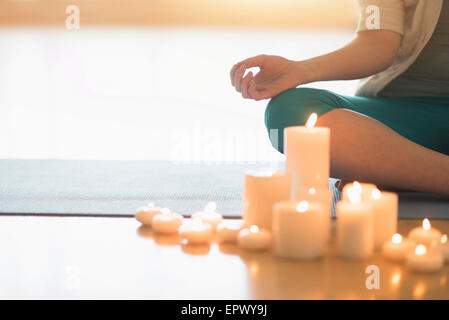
{"points": [[292, 108]]}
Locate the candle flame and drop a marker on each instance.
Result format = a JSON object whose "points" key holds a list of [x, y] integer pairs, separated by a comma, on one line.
{"points": [[165, 211], [303, 206], [376, 194], [420, 250], [444, 239], [396, 239], [426, 224], [311, 121], [312, 191], [357, 186], [396, 278], [150, 205], [210, 207], [354, 195], [254, 229]]}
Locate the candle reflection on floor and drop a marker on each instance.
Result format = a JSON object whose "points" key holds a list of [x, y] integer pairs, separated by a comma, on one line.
{"points": [[270, 277]]}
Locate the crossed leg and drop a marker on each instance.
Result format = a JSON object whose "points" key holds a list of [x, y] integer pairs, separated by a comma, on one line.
{"points": [[365, 149]]}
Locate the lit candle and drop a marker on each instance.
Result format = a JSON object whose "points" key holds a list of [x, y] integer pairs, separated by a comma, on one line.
{"points": [[307, 156], [385, 213], [355, 227], [300, 229], [425, 234], [228, 230], [366, 190], [209, 215], [444, 246], [195, 231], [424, 260], [167, 222], [262, 190], [253, 238], [146, 213], [324, 197], [397, 248]]}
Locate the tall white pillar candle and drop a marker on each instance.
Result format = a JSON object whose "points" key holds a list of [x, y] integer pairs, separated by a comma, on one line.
{"points": [[262, 190], [307, 156], [300, 229], [355, 227]]}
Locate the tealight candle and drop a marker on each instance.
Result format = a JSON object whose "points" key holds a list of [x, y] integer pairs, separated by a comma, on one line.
{"points": [[444, 246], [423, 260], [209, 215], [397, 248], [425, 234], [228, 230], [146, 213], [253, 238], [196, 231], [167, 222], [365, 190], [385, 213], [300, 229], [262, 190], [355, 239], [307, 156]]}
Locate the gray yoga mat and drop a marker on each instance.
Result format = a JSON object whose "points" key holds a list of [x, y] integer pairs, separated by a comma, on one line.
{"points": [[118, 187]]}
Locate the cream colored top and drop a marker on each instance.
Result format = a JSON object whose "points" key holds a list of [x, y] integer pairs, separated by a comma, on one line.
{"points": [[415, 20]]}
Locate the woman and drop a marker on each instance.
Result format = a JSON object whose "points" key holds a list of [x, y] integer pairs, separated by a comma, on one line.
{"points": [[395, 131]]}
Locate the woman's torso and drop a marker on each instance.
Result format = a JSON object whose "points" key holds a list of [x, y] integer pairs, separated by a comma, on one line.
{"points": [[429, 73]]}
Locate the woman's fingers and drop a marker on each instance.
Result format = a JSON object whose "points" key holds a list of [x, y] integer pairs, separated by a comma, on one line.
{"points": [[259, 93], [244, 85], [256, 61], [233, 70], [252, 91], [238, 77]]}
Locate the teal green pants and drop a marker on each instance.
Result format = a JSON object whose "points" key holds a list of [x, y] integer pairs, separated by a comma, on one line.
{"points": [[423, 120]]}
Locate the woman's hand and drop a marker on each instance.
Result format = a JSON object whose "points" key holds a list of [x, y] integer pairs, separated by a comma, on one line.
{"points": [[276, 75]]}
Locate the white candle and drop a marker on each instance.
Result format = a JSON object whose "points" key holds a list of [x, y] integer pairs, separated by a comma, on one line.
{"points": [[324, 197], [300, 229], [195, 231], [228, 230], [167, 222], [444, 247], [385, 213], [397, 248], [209, 215], [425, 234], [355, 227], [366, 190], [146, 213], [262, 190], [307, 156], [425, 259], [253, 238]]}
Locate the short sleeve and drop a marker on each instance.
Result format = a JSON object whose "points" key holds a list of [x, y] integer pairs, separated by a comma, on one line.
{"points": [[381, 15]]}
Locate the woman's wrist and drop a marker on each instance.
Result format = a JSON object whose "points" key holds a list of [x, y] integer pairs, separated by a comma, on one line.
{"points": [[304, 72]]}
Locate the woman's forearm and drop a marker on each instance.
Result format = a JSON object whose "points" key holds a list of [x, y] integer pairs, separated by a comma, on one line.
{"points": [[369, 53]]}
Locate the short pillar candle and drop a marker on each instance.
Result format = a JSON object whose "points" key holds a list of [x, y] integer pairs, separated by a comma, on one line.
{"points": [[262, 190], [355, 227], [300, 229], [385, 213]]}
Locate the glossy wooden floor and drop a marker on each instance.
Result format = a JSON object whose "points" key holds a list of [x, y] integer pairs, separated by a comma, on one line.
{"points": [[65, 257]]}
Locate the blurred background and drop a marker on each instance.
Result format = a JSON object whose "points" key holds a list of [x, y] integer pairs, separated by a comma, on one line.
{"points": [[149, 79]]}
